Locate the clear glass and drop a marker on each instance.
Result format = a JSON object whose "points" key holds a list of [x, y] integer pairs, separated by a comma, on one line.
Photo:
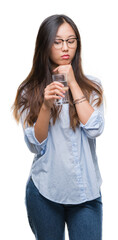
{"points": [[62, 79], [71, 43]]}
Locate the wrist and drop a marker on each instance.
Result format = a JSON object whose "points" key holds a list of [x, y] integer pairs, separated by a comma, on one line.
{"points": [[45, 107], [72, 84], [76, 90]]}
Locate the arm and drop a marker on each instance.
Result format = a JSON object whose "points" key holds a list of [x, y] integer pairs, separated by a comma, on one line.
{"points": [[36, 136], [29, 136], [91, 117], [84, 109], [42, 123]]}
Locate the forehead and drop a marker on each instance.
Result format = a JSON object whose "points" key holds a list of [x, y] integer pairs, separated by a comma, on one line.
{"points": [[65, 31]]}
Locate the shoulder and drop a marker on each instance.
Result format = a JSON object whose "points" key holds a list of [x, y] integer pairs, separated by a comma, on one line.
{"points": [[94, 94], [94, 79]]}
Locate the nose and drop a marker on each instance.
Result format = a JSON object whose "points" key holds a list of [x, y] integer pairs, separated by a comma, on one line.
{"points": [[64, 46]]}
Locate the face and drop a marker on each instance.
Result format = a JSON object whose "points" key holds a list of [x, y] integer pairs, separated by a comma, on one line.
{"points": [[65, 54]]}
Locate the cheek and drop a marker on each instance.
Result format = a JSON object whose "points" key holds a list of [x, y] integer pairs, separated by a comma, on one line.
{"points": [[53, 55], [73, 54]]}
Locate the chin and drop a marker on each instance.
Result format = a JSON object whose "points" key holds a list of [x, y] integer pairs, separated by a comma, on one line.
{"points": [[65, 62]]}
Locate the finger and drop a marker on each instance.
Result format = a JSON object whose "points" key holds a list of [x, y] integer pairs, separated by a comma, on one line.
{"points": [[61, 67], [56, 83], [51, 97], [54, 92], [56, 69], [56, 87]]}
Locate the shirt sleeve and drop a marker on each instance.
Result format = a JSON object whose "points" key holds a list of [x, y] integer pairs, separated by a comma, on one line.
{"points": [[31, 141], [95, 124]]}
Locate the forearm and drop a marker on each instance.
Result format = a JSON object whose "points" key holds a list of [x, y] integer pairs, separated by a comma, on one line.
{"points": [[42, 124], [84, 109]]}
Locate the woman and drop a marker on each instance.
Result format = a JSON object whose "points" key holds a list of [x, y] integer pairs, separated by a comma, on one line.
{"points": [[64, 183]]}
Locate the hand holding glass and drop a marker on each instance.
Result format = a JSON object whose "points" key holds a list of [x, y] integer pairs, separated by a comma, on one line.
{"points": [[62, 79]]}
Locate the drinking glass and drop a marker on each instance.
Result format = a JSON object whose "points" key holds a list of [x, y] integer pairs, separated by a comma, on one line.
{"points": [[62, 79]]}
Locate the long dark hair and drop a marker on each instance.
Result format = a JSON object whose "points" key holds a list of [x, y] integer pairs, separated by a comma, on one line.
{"points": [[30, 93]]}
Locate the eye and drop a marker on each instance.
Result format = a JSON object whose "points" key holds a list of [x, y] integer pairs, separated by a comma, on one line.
{"points": [[57, 42], [72, 40]]}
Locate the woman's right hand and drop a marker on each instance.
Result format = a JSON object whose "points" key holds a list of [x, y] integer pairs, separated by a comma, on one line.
{"points": [[53, 91]]}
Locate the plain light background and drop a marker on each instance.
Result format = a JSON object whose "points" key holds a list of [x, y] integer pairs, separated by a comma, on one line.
{"points": [[19, 24]]}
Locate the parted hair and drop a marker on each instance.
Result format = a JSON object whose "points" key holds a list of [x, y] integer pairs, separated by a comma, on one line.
{"points": [[30, 93]]}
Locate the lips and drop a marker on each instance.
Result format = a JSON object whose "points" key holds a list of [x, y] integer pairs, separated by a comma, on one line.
{"points": [[65, 56]]}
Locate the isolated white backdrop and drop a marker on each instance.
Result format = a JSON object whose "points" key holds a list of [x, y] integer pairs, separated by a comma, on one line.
{"points": [[19, 24]]}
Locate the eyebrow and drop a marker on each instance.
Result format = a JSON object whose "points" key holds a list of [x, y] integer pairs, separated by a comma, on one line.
{"points": [[67, 37]]}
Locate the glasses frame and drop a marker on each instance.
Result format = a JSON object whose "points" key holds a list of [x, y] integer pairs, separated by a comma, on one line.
{"points": [[65, 41]]}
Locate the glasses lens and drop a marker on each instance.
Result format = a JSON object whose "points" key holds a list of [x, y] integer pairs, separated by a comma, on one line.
{"points": [[58, 43], [72, 42]]}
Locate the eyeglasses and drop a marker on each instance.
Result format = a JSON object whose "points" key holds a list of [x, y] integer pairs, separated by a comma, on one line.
{"points": [[71, 43]]}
